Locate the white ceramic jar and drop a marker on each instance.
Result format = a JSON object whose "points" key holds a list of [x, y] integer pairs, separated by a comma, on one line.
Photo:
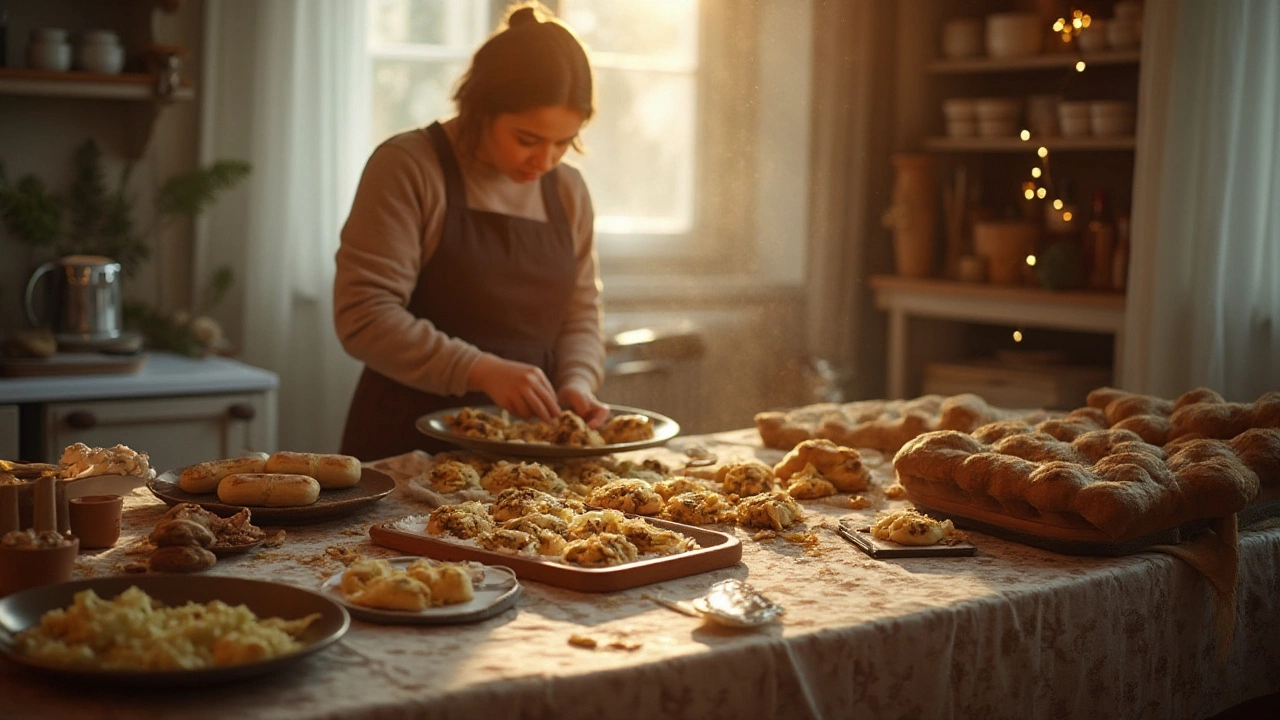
{"points": [[48, 50], [101, 52]]}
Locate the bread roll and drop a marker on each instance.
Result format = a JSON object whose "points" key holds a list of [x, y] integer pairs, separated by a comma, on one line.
{"points": [[268, 490], [204, 477], [332, 471], [181, 532], [181, 558]]}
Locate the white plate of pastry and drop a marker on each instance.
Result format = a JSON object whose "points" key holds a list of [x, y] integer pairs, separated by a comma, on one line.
{"points": [[421, 591]]}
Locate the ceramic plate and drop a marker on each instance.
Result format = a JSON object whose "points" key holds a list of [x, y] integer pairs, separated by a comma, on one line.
{"points": [[266, 599], [373, 486], [434, 425], [495, 593]]}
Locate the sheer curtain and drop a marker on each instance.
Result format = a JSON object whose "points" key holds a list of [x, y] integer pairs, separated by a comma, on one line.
{"points": [[850, 158], [1204, 295], [285, 87]]}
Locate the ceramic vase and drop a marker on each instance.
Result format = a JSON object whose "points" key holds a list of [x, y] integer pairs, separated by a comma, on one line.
{"points": [[913, 215]]}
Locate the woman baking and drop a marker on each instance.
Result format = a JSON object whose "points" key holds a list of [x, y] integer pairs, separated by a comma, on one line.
{"points": [[467, 270]]}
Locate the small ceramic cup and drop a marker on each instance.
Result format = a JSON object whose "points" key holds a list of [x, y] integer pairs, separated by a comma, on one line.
{"points": [[27, 567], [95, 519]]}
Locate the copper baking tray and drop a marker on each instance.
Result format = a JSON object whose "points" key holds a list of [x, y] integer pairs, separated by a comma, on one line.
{"points": [[715, 550]]}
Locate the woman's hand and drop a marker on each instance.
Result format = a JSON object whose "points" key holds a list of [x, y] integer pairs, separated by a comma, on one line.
{"points": [[583, 402], [521, 389]]}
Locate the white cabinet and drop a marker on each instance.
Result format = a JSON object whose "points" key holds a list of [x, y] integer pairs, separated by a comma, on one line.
{"points": [[174, 431], [178, 410]]}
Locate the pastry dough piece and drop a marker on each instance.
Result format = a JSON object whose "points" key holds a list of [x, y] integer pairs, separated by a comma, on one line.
{"points": [[1001, 429], [673, 486], [393, 592], [745, 478], [453, 476], [700, 507], [520, 501], [464, 520], [504, 540], [1222, 420], [180, 559], [774, 510], [910, 527], [595, 522], [478, 463], [525, 474], [809, 484], [361, 572], [1199, 395], [477, 423], [841, 466], [269, 490], [1038, 447], [629, 496], [627, 428], [650, 539], [181, 532], [548, 530], [572, 430], [1076, 423], [333, 472], [1259, 450], [450, 583], [600, 550], [776, 431], [204, 477]]}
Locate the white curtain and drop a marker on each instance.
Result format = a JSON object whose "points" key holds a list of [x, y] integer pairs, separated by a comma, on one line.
{"points": [[850, 161], [285, 87], [1204, 295]]}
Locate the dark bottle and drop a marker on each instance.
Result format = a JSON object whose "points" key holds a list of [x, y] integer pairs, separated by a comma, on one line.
{"points": [[1100, 243], [1060, 265]]}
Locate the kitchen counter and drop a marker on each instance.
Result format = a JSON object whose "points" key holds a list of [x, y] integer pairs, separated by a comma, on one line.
{"points": [[163, 374]]}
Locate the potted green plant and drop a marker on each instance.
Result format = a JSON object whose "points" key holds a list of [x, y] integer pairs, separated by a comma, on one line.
{"points": [[94, 220]]}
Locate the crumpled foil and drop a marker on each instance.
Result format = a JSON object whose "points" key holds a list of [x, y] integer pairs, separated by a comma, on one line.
{"points": [[737, 604]]}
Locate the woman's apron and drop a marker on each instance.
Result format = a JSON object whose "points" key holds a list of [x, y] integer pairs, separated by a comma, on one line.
{"points": [[500, 282]]}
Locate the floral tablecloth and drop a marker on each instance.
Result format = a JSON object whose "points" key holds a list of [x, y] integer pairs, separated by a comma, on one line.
{"points": [[1013, 632]]}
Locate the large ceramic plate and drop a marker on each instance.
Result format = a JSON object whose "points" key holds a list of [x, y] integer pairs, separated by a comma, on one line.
{"points": [[494, 594], [373, 486], [434, 425], [22, 610]]}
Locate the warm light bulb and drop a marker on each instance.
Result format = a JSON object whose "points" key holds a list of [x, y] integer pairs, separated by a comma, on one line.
{"points": [[1057, 204], [1058, 25], [1029, 193], [1031, 260], [1066, 216], [1080, 66], [1043, 151], [1035, 172], [1025, 135], [1017, 336], [1077, 23], [1040, 193]]}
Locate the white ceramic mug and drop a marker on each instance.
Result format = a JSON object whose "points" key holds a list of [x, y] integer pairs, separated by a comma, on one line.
{"points": [[48, 50]]}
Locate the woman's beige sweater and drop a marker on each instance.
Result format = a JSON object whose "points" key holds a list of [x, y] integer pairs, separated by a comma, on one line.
{"points": [[393, 230]]}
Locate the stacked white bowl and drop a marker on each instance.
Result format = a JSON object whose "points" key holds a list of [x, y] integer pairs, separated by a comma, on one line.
{"points": [[1014, 34], [961, 115], [49, 50], [1074, 118], [998, 117], [1110, 118]]}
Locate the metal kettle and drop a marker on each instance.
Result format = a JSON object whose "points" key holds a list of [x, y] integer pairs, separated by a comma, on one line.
{"points": [[84, 301]]}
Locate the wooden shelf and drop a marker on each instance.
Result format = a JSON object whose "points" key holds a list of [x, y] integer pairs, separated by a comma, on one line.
{"points": [[124, 86], [1054, 144], [1040, 298], [1054, 61]]}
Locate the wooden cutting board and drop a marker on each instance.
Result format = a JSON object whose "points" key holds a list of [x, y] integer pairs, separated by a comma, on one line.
{"points": [[88, 363]]}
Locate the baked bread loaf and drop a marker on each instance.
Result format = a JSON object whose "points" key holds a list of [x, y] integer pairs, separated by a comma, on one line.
{"points": [[269, 490], [204, 477], [883, 425], [1102, 485], [331, 471]]}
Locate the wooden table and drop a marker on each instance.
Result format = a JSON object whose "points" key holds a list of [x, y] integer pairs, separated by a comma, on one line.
{"points": [[1013, 632]]}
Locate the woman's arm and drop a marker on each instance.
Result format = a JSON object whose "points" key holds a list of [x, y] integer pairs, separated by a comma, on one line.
{"points": [[393, 228], [580, 348]]}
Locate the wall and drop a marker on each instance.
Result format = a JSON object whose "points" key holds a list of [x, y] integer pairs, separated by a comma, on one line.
{"points": [[39, 135]]}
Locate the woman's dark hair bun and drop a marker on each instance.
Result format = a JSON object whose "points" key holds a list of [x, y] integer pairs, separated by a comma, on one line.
{"points": [[523, 16]]}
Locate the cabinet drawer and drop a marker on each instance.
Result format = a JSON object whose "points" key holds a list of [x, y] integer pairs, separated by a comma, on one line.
{"points": [[174, 432]]}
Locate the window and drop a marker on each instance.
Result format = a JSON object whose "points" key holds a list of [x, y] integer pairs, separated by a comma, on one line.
{"points": [[642, 146]]}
